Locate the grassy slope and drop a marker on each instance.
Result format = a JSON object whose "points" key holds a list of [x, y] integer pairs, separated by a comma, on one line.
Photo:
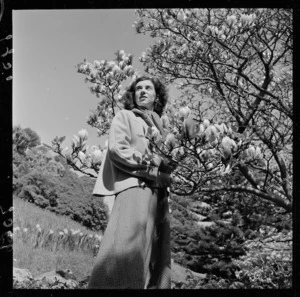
{"points": [[39, 260], [27, 215]]}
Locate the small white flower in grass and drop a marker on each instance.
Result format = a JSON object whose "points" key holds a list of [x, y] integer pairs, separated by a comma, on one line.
{"points": [[80, 234], [51, 231], [16, 229], [61, 233], [38, 226], [25, 230], [90, 236], [66, 231]]}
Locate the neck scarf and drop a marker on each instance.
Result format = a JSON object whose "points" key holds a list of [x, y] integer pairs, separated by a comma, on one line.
{"points": [[151, 118]]}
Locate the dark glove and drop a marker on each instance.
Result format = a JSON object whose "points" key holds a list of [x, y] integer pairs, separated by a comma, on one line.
{"points": [[167, 166], [163, 180]]}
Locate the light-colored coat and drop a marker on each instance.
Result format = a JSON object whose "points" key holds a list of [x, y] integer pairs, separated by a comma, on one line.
{"points": [[127, 143]]}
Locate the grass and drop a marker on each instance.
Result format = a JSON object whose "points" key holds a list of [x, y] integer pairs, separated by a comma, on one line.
{"points": [[44, 241]]}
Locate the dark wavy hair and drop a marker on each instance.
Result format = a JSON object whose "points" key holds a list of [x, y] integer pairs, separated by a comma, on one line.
{"points": [[160, 90]]}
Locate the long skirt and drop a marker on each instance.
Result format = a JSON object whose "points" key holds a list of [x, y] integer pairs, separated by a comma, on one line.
{"points": [[135, 249]]}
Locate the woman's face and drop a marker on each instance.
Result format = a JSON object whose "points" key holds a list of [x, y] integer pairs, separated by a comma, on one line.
{"points": [[145, 94]]}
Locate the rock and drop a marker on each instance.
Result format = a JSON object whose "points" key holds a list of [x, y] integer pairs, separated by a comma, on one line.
{"points": [[67, 274], [181, 274], [21, 277], [205, 224], [53, 277]]}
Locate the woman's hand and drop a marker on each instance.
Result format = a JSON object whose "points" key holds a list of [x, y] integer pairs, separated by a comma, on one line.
{"points": [[163, 179], [167, 166]]}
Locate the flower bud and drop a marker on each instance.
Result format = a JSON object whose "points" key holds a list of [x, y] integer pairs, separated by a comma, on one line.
{"points": [[170, 141], [210, 133], [81, 156], [68, 156], [165, 121], [83, 134], [201, 128], [184, 112], [224, 127], [75, 140], [251, 151], [258, 152], [206, 123], [96, 157], [189, 128], [226, 144]]}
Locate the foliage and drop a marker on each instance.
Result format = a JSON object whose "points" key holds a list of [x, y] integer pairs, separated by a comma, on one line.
{"points": [[47, 181], [25, 138], [268, 262], [239, 63]]}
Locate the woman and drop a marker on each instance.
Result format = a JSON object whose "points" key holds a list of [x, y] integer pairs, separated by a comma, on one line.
{"points": [[135, 249]]}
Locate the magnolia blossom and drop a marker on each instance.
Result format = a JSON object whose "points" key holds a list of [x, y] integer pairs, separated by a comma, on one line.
{"points": [[154, 133], [75, 140], [83, 134], [96, 156], [206, 123], [81, 156], [68, 155], [184, 112], [211, 133], [170, 141]]}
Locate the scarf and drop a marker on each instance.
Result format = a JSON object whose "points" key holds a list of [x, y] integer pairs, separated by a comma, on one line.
{"points": [[151, 118]]}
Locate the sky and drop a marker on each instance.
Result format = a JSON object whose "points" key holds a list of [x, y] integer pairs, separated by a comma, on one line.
{"points": [[49, 96]]}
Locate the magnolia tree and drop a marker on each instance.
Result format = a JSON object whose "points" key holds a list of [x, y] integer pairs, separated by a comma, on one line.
{"points": [[238, 62], [231, 130]]}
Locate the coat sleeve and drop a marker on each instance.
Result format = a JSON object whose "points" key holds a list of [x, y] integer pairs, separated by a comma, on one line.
{"points": [[125, 156]]}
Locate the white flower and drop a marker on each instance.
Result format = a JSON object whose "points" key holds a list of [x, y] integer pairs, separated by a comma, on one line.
{"points": [[96, 156], [206, 123], [81, 156], [25, 230], [66, 231], [75, 140], [68, 155], [165, 121], [83, 134], [184, 112], [38, 226], [154, 132]]}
